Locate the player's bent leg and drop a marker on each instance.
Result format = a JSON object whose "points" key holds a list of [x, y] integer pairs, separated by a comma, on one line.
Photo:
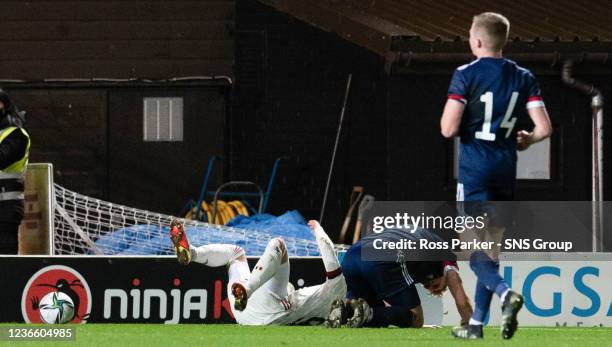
{"points": [[277, 286], [352, 271], [487, 271], [180, 242], [402, 309], [267, 266], [482, 303], [274, 256], [496, 235], [216, 254], [238, 272], [240, 296], [380, 316], [313, 304], [232, 256]]}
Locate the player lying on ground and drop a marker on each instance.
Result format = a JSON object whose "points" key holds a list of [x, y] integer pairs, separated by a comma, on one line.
{"points": [[486, 100], [381, 284], [265, 296]]}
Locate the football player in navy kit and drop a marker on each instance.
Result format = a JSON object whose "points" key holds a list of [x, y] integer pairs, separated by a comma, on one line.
{"points": [[381, 282], [486, 98]]}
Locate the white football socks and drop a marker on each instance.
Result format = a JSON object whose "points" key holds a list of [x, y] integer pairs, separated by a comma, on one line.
{"points": [[502, 297], [216, 254], [475, 322], [267, 265], [326, 248]]}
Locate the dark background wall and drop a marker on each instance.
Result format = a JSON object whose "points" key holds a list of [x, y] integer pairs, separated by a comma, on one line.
{"points": [[93, 134], [391, 142], [416, 101], [299, 90], [68, 128], [99, 38], [94, 138], [162, 176]]}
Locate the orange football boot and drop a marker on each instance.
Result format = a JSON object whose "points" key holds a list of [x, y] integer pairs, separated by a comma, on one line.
{"points": [[179, 240]]}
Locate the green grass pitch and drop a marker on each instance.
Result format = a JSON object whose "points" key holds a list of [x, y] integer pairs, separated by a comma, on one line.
{"points": [[191, 335]]}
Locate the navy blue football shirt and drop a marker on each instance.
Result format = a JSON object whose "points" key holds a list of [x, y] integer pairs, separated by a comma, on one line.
{"points": [[496, 93]]}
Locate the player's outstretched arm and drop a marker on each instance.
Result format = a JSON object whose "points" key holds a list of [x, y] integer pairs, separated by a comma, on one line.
{"points": [[417, 317], [451, 118], [326, 248], [542, 129], [455, 286]]}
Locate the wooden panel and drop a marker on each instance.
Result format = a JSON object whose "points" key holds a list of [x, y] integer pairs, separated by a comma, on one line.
{"points": [[109, 30], [155, 10], [116, 10], [124, 49], [150, 68], [116, 39]]}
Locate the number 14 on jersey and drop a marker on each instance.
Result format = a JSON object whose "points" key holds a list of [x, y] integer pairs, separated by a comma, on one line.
{"points": [[508, 122]]}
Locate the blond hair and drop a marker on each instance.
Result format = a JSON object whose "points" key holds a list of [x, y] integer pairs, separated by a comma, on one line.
{"points": [[494, 29]]}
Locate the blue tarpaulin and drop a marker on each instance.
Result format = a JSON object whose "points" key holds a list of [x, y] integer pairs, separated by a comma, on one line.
{"points": [[251, 233]]}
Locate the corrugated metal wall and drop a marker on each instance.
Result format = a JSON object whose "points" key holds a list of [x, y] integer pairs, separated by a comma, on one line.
{"points": [[375, 24], [546, 20]]}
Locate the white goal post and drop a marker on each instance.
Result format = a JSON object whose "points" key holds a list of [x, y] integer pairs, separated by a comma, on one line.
{"points": [[35, 231]]}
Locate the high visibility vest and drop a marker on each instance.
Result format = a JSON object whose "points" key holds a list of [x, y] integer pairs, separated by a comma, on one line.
{"points": [[12, 178]]}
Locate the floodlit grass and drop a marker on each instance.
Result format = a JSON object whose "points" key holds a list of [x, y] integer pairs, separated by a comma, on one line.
{"points": [[229, 335]]}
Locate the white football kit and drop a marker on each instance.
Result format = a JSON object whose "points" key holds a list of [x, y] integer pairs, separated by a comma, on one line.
{"points": [[277, 303], [272, 299]]}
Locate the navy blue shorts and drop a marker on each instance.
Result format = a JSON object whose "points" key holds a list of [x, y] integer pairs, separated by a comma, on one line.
{"points": [[376, 281], [478, 201], [468, 192]]}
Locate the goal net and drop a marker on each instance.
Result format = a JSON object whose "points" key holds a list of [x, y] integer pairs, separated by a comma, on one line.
{"points": [[63, 222], [85, 225]]}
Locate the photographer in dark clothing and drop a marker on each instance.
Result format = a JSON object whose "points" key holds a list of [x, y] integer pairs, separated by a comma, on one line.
{"points": [[14, 151]]}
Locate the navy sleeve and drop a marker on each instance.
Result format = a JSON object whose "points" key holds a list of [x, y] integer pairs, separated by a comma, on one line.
{"points": [[534, 96], [12, 148], [458, 87]]}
